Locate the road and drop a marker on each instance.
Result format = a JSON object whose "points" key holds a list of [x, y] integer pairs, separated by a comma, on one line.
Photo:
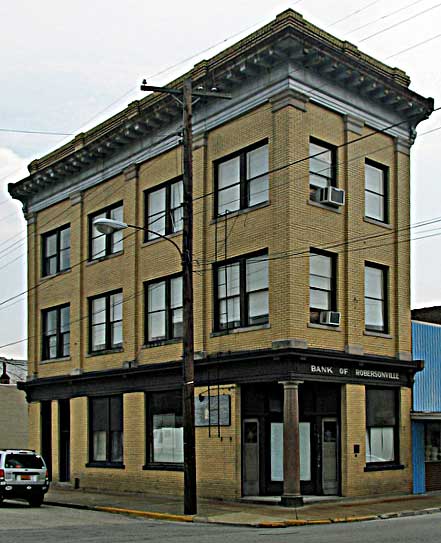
{"points": [[21, 524]]}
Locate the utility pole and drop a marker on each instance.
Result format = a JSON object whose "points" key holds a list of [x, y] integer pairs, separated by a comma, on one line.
{"points": [[185, 98]]}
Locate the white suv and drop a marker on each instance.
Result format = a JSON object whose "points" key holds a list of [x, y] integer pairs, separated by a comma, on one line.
{"points": [[23, 474]]}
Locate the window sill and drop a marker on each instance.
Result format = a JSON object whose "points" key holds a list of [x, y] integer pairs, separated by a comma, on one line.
{"points": [[383, 467], [163, 467], [147, 243], [107, 351], [103, 258], [378, 223], [44, 278], [324, 206], [161, 343], [51, 360], [239, 212], [111, 465], [371, 333], [241, 329], [324, 327]]}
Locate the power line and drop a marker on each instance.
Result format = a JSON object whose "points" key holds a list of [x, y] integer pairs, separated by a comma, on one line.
{"points": [[413, 46], [39, 132], [356, 12]]}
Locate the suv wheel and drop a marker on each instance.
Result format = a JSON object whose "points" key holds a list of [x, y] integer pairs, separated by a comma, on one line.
{"points": [[36, 501]]}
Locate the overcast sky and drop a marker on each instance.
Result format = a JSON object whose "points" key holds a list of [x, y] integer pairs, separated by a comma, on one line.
{"points": [[65, 66]]}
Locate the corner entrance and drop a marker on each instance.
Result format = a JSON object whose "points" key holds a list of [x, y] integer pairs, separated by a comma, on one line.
{"points": [[262, 439]]}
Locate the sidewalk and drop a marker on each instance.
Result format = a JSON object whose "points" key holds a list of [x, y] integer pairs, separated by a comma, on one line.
{"points": [[249, 514]]}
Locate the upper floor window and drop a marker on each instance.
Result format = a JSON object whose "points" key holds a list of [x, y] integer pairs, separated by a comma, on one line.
{"points": [[56, 332], [106, 430], [56, 251], [322, 165], [105, 321], [381, 426], [164, 309], [242, 179], [375, 192], [164, 211], [241, 288], [101, 245], [322, 284], [375, 298]]}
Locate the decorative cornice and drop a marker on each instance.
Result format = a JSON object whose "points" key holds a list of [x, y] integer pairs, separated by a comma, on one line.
{"points": [[31, 218], [289, 97]]}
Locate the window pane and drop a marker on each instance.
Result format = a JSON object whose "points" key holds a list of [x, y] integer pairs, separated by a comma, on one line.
{"points": [[258, 310], [177, 321], [228, 199], [64, 319], [374, 206], [156, 211], [99, 413], [116, 413], [65, 344], [373, 285], [374, 178], [374, 314], [117, 213], [156, 326], [51, 322], [229, 173], [229, 275], [51, 245], [319, 299], [156, 224], [116, 332], [156, 296], [323, 283], [258, 191], [380, 445], [229, 312], [168, 443], [176, 199], [116, 305], [65, 238], [318, 181], [98, 337], [98, 310], [117, 242], [257, 273], [116, 446], [257, 162], [380, 407], [51, 265], [320, 166], [176, 292], [99, 446], [320, 265], [53, 347], [99, 246], [65, 259]]}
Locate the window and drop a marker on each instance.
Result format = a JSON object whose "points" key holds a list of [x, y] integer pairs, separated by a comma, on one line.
{"points": [[164, 212], [166, 433], [105, 322], [101, 245], [106, 430], [322, 165], [432, 438], [241, 288], [56, 251], [381, 425], [242, 180], [375, 192], [164, 309], [375, 298], [56, 332], [322, 284]]}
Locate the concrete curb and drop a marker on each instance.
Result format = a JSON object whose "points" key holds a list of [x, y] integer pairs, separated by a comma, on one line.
{"points": [[263, 524]]}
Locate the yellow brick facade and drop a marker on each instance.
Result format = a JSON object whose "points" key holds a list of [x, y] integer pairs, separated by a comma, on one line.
{"points": [[287, 226]]}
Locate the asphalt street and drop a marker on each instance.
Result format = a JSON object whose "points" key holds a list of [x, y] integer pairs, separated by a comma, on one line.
{"points": [[21, 524]]}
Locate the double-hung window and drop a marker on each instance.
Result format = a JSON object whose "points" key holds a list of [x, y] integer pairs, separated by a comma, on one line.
{"points": [[375, 191], [164, 211], [241, 287], [381, 426], [322, 165], [242, 179], [165, 431], [163, 302], [105, 322], [56, 332], [102, 245], [375, 298], [56, 251], [106, 430], [322, 284]]}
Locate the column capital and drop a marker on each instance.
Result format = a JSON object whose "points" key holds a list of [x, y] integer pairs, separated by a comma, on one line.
{"points": [[289, 97], [131, 172], [293, 384]]}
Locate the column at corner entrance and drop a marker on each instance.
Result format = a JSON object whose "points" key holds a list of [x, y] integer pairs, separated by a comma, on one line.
{"points": [[291, 496]]}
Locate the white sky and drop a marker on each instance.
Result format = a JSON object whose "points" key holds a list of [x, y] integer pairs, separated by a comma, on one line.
{"points": [[65, 66]]}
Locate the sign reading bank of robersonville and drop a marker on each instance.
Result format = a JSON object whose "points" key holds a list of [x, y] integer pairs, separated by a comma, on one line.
{"points": [[364, 374]]}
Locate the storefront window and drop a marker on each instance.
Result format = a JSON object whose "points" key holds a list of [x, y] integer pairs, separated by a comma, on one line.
{"points": [[433, 442], [166, 431], [381, 425]]}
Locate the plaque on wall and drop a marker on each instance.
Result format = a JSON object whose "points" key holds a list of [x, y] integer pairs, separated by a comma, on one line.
{"points": [[208, 413]]}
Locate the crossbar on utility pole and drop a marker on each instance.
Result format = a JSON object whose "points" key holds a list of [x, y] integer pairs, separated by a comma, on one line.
{"points": [[190, 489]]}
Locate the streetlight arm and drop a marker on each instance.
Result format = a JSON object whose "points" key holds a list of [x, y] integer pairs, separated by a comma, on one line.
{"points": [[109, 226]]}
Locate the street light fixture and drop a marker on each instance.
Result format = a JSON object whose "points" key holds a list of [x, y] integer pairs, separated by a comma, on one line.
{"points": [[109, 226]]}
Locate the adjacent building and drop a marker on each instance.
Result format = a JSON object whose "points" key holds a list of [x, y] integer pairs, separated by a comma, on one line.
{"points": [[13, 405], [301, 279]]}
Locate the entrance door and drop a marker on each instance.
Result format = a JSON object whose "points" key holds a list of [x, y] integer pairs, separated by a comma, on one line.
{"points": [[330, 456], [250, 457], [64, 427]]}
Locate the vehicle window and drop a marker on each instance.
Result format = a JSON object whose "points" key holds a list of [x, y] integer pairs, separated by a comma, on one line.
{"points": [[23, 461]]}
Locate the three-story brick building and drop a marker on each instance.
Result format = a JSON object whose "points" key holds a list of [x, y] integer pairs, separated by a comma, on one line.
{"points": [[302, 293]]}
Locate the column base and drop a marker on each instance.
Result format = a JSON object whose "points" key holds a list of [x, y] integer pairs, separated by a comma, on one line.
{"points": [[291, 500]]}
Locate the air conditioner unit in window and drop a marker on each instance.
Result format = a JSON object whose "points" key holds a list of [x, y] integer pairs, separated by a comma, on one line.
{"points": [[331, 318], [330, 195]]}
